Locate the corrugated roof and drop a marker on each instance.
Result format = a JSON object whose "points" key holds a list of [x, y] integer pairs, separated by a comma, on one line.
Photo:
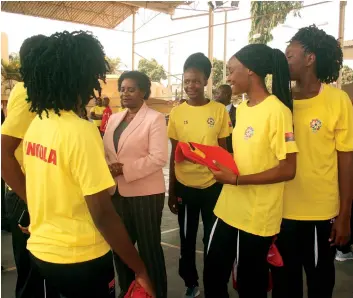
{"points": [[105, 14]]}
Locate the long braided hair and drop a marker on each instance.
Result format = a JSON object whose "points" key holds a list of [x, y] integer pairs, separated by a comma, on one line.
{"points": [[327, 49], [62, 72]]}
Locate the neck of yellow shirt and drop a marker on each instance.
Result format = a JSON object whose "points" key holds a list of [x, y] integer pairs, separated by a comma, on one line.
{"points": [[199, 101], [257, 94]]}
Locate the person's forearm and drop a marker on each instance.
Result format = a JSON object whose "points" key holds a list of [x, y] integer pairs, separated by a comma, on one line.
{"points": [[13, 176], [345, 177], [144, 166], [114, 232], [271, 176], [223, 143], [172, 178]]}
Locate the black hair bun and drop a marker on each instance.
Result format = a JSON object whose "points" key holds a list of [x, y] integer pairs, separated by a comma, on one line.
{"points": [[200, 62]]}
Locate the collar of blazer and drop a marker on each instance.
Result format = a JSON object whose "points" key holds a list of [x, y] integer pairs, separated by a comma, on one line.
{"points": [[115, 121]]}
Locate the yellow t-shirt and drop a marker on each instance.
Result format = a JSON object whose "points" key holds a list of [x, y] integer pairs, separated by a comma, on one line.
{"points": [[323, 125], [64, 162], [18, 117], [199, 124], [97, 111], [262, 137]]}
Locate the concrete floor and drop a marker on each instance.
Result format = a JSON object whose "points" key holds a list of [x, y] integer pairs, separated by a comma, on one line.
{"points": [[170, 242]]}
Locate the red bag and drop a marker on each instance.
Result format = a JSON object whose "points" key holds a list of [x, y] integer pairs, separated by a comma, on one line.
{"points": [[136, 291], [274, 258], [205, 155]]}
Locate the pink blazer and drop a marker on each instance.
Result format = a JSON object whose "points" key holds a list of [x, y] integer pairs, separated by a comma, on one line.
{"points": [[142, 148]]}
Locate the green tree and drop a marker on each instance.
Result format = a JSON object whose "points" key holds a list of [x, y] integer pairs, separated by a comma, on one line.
{"points": [[152, 69], [217, 71], [10, 73], [347, 75], [11, 70], [114, 64], [268, 83], [266, 15]]}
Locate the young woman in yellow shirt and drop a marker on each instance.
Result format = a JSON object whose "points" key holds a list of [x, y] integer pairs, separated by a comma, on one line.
{"points": [[317, 203], [73, 225], [249, 208], [192, 188]]}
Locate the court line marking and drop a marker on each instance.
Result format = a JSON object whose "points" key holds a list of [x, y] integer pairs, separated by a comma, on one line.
{"points": [[9, 269], [173, 230], [178, 247], [169, 231]]}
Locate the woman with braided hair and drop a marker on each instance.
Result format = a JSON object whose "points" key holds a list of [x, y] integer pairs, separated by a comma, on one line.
{"points": [[317, 203], [249, 208], [73, 221]]}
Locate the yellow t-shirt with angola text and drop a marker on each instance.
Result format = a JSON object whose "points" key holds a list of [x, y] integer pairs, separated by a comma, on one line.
{"points": [[199, 124], [64, 162], [323, 125], [97, 111], [18, 117], [262, 137]]}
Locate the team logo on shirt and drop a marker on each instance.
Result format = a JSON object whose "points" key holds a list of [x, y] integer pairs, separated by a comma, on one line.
{"points": [[315, 125], [186, 122], [210, 122], [249, 132]]}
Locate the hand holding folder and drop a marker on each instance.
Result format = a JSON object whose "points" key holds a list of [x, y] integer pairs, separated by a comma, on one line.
{"points": [[205, 155]]}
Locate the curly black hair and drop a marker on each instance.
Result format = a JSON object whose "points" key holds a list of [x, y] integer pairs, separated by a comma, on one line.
{"points": [[200, 62], [327, 49], [142, 81], [62, 72], [29, 44]]}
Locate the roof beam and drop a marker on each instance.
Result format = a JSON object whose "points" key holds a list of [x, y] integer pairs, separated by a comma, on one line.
{"points": [[160, 6], [104, 14]]}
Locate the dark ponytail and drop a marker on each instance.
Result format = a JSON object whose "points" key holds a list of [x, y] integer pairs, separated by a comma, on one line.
{"points": [[263, 60], [281, 79]]}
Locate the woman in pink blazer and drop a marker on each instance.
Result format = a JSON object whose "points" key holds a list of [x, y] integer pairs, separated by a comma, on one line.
{"points": [[136, 148]]}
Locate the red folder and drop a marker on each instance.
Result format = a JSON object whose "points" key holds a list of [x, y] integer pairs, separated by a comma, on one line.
{"points": [[205, 155]]}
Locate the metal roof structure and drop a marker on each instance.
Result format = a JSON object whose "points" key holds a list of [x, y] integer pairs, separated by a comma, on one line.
{"points": [[104, 14]]}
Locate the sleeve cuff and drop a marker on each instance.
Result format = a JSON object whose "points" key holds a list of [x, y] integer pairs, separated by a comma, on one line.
{"points": [[224, 135], [14, 135], [344, 148], [96, 189]]}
